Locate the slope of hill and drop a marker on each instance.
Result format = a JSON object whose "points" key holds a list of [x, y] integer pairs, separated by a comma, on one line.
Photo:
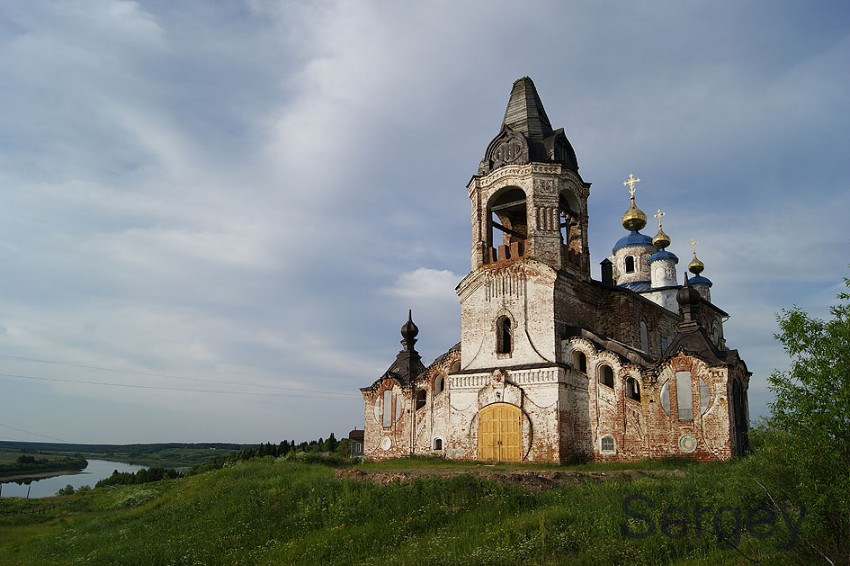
{"points": [[282, 511]]}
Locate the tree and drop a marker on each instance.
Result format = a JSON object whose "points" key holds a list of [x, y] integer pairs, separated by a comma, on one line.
{"points": [[343, 449], [811, 419], [331, 443]]}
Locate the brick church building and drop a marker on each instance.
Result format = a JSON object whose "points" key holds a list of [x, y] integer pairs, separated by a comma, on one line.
{"points": [[551, 364]]}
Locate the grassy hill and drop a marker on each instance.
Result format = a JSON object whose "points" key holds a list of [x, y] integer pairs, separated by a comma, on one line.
{"points": [[283, 511]]}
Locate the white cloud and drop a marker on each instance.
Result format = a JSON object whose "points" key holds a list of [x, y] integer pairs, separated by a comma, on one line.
{"points": [[426, 284]]}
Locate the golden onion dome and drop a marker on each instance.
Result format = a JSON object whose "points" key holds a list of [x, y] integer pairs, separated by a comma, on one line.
{"points": [[661, 240], [696, 266], [634, 219]]}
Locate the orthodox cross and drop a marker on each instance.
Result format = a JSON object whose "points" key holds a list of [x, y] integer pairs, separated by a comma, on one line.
{"points": [[630, 183], [659, 215], [694, 247]]}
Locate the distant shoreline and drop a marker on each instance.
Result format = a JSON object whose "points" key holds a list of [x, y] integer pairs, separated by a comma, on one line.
{"points": [[38, 475]]}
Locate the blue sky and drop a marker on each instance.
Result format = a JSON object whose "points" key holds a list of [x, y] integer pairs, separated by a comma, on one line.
{"points": [[215, 215]]}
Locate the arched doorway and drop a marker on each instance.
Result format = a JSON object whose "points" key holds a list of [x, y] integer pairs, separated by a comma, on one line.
{"points": [[500, 433]]}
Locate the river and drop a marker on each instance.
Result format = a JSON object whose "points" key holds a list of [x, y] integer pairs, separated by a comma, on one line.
{"points": [[46, 487]]}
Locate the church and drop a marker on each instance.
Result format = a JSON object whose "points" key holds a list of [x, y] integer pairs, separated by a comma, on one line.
{"points": [[552, 365]]}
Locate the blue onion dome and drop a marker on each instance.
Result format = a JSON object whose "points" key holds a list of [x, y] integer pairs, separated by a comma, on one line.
{"points": [[663, 254], [634, 238]]}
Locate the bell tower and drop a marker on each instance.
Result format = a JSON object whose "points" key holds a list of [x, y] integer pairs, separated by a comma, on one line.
{"points": [[528, 200], [529, 237]]}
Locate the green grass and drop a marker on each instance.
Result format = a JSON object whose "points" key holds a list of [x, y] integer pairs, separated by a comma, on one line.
{"points": [[286, 512]]}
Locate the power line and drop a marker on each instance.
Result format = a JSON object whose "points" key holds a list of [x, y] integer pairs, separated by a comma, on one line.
{"points": [[156, 374], [33, 433], [293, 393]]}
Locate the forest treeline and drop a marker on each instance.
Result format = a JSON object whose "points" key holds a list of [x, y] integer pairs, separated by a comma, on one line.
{"points": [[28, 464], [328, 450]]}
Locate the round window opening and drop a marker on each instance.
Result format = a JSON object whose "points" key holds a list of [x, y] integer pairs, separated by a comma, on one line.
{"points": [[386, 443]]}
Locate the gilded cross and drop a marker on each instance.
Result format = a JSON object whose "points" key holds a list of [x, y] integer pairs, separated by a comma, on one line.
{"points": [[659, 215], [694, 247], [630, 183]]}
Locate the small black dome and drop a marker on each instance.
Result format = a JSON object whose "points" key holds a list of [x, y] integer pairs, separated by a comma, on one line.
{"points": [[409, 330], [688, 296]]}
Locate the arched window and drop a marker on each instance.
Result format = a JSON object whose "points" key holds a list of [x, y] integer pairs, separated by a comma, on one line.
{"points": [[606, 376], [580, 361], [504, 336], [420, 398], [438, 444], [630, 264], [644, 337], [439, 384], [607, 445], [665, 397], [455, 367], [633, 389]]}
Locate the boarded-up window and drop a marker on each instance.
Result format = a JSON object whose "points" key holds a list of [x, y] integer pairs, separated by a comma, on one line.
{"points": [[704, 397], [388, 408], [665, 397], [684, 395], [644, 337], [399, 408]]}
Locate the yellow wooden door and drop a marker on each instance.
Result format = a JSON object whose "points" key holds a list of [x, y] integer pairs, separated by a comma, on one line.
{"points": [[500, 433]]}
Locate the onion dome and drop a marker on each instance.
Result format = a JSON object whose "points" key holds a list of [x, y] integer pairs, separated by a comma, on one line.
{"points": [[696, 266], [634, 218], [703, 284], [634, 238], [663, 254], [689, 301], [661, 240], [409, 330]]}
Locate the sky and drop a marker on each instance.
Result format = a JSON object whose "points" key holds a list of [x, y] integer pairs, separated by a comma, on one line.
{"points": [[214, 216]]}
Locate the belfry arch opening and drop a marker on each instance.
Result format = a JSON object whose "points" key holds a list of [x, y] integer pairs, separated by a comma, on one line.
{"points": [[569, 219], [507, 220]]}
